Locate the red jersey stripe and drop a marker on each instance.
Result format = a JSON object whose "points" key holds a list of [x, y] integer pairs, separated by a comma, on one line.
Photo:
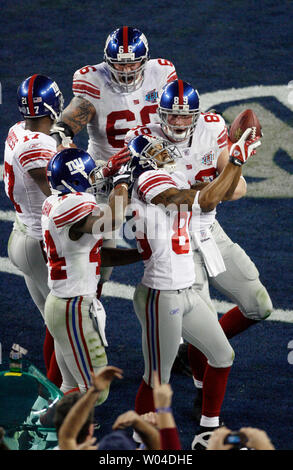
{"points": [[155, 179], [171, 77], [69, 213], [84, 88], [34, 160], [142, 195], [25, 157], [90, 85], [222, 139], [72, 209], [78, 214]]}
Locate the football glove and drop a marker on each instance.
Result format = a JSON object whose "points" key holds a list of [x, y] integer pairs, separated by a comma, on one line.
{"points": [[243, 148], [124, 176], [62, 133], [115, 162]]}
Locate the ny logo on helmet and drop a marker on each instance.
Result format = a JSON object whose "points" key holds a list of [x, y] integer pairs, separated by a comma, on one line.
{"points": [[76, 166]]}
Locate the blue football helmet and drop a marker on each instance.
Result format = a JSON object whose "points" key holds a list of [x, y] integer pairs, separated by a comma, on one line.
{"points": [[74, 170], [151, 153], [39, 96], [126, 45], [178, 98]]}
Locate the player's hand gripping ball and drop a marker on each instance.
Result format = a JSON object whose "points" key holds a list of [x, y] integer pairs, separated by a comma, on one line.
{"points": [[246, 119]]}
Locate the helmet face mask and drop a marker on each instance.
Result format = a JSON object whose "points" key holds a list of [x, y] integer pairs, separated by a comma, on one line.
{"points": [[178, 110], [150, 153], [127, 48], [39, 96], [127, 80], [100, 186], [177, 132]]}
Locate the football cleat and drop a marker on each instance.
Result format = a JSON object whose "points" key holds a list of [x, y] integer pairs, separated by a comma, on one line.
{"points": [[200, 441], [126, 54], [178, 99], [39, 96]]}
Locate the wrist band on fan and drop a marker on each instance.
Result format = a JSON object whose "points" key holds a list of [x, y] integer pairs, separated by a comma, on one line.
{"points": [[166, 409]]}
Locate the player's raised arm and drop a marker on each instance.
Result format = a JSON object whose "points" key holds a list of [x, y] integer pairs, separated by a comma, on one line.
{"points": [[226, 182], [153, 154]]}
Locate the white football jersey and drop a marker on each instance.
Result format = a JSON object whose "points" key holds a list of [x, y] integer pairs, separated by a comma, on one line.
{"points": [[74, 266], [117, 112], [24, 151], [163, 236], [199, 153]]}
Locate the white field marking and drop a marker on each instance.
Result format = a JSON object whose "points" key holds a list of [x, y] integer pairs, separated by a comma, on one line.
{"points": [[7, 216], [124, 291], [281, 92]]}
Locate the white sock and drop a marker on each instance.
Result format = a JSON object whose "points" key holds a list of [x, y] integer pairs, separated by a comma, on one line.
{"points": [[207, 422]]}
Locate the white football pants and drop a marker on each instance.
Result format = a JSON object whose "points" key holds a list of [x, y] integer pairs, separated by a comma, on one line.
{"points": [[166, 316], [27, 255]]}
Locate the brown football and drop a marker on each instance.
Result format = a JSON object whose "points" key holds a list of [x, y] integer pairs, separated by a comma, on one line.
{"points": [[243, 121]]}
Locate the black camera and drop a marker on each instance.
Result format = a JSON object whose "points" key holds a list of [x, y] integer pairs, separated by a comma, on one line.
{"points": [[237, 439]]}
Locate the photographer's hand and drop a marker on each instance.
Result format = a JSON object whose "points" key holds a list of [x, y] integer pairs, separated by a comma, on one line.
{"points": [[257, 439], [216, 441]]}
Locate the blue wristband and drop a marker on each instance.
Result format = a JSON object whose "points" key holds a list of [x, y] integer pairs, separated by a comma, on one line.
{"points": [[164, 410]]}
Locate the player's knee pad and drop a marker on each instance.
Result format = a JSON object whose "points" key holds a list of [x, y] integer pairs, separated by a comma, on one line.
{"points": [[254, 301], [225, 358], [241, 284], [263, 306]]}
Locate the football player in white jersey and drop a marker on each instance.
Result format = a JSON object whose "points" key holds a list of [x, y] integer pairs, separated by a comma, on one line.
{"points": [[115, 95], [202, 140], [28, 148], [73, 225], [166, 303]]}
